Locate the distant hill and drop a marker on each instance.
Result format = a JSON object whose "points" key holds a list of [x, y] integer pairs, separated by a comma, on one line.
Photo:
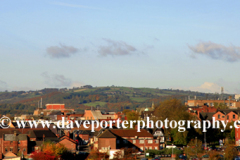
{"points": [[106, 98]]}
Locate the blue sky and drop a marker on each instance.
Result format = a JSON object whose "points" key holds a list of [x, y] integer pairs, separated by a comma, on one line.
{"points": [[190, 45]]}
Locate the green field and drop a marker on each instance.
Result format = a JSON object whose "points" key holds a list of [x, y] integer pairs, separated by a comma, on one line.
{"points": [[139, 99]]}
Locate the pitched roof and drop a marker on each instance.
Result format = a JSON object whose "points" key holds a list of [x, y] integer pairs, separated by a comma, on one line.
{"points": [[131, 133], [22, 137], [107, 134], [113, 133], [31, 134], [8, 131], [97, 114], [88, 132], [67, 138], [9, 155], [46, 133], [229, 110], [207, 116]]}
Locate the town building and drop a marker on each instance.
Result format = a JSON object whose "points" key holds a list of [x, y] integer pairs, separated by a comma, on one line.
{"points": [[52, 108], [69, 143], [98, 115], [229, 103], [127, 138]]}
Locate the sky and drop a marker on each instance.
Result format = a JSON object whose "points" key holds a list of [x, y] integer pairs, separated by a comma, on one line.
{"points": [[189, 45]]}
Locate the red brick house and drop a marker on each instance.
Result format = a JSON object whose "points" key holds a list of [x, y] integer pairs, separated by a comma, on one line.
{"points": [[203, 108], [219, 116], [226, 116], [69, 143], [127, 138], [15, 143]]}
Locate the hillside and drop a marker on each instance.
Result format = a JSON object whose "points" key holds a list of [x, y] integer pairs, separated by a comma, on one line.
{"points": [[106, 98]]}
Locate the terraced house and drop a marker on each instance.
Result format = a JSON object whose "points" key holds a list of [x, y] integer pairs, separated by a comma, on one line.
{"points": [[127, 138]]}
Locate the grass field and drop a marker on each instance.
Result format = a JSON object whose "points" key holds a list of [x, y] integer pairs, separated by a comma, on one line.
{"points": [[80, 90]]}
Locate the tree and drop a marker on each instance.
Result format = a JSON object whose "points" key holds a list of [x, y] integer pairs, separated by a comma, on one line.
{"points": [[220, 105], [230, 151], [132, 115], [193, 148], [173, 109], [93, 154], [125, 111], [42, 156], [213, 155], [50, 151]]}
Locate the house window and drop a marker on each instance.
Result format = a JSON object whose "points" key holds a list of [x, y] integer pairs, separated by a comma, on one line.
{"points": [[117, 141], [24, 149], [223, 116], [219, 116], [234, 116], [141, 141], [150, 141], [11, 149], [156, 148], [156, 141], [150, 148], [227, 116], [19, 142], [6, 149], [18, 149], [134, 141]]}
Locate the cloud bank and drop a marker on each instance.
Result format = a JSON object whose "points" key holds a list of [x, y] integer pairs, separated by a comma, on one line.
{"points": [[207, 87], [61, 51], [116, 48], [216, 51]]}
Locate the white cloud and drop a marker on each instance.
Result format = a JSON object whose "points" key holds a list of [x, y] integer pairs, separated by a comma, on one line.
{"points": [[216, 51], [207, 87]]}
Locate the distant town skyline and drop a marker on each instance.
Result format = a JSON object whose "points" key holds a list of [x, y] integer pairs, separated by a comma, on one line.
{"points": [[188, 45]]}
